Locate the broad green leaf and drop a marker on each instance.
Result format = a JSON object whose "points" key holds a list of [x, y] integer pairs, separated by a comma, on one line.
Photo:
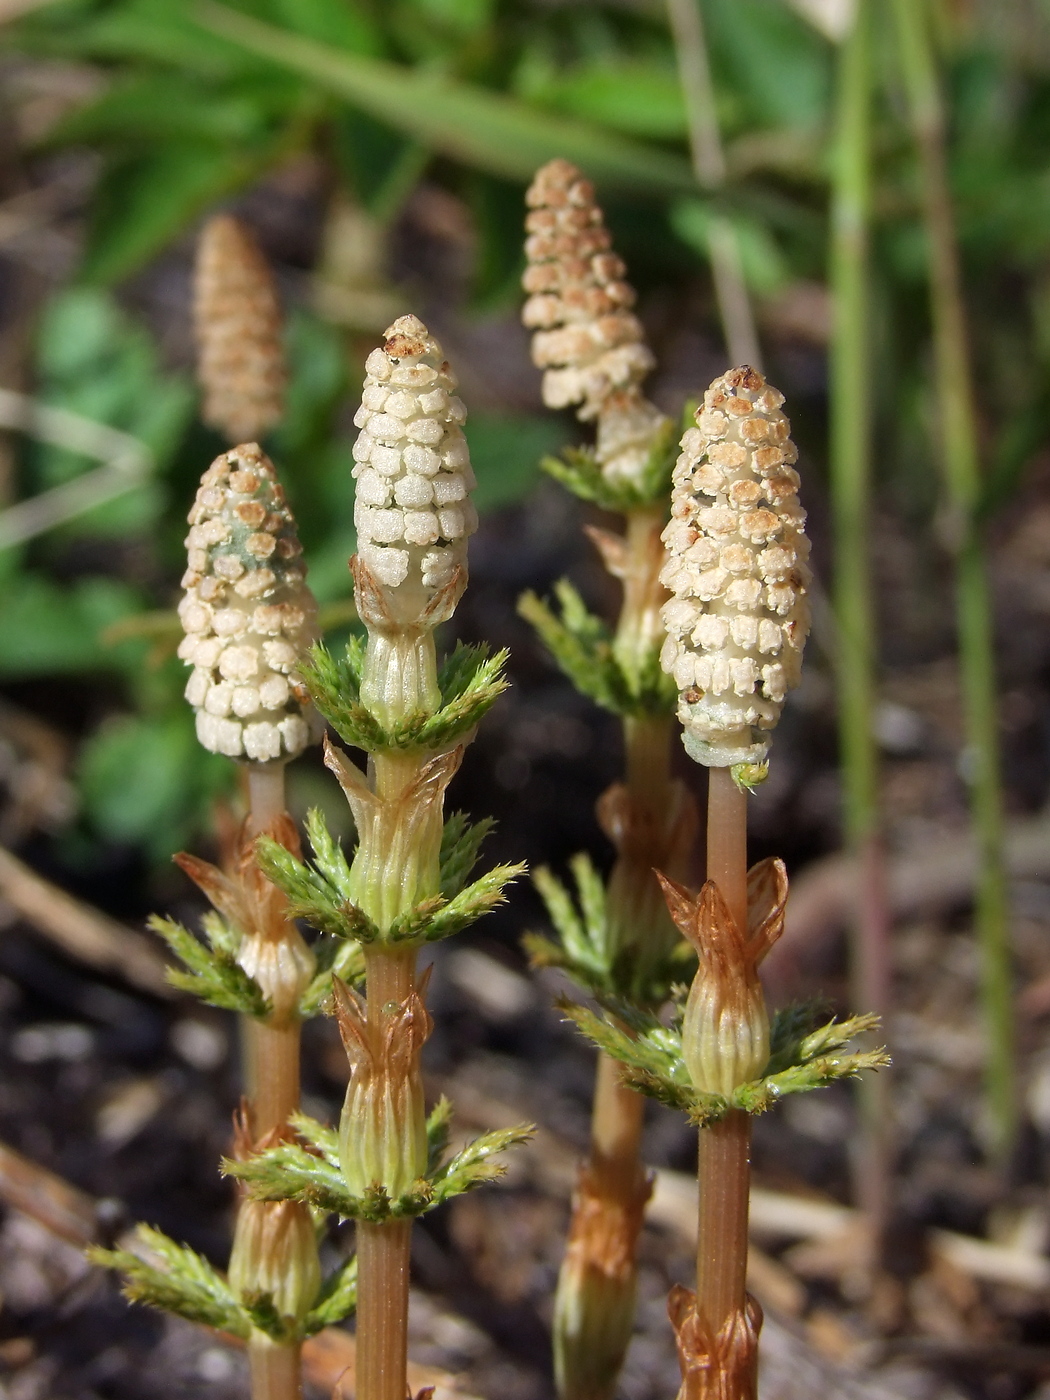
{"points": [[472, 124], [143, 202]]}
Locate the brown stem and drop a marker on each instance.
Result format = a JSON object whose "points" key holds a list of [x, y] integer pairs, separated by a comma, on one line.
{"points": [[389, 978], [724, 1174], [382, 1310], [724, 1162], [271, 1073], [274, 1369], [616, 1131], [383, 1250], [265, 793]]}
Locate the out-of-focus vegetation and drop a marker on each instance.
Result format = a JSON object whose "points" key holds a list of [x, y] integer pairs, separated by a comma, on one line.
{"points": [[184, 106]]}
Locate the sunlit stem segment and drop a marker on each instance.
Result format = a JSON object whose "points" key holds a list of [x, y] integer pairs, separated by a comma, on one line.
{"points": [[694, 71], [962, 484], [724, 1162], [851, 373]]}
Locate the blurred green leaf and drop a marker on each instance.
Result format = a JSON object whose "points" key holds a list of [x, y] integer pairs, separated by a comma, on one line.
{"points": [[162, 106], [52, 630], [345, 24], [634, 96], [456, 17], [95, 360], [476, 125], [506, 450], [143, 201], [152, 30], [148, 780], [777, 69], [766, 269]]}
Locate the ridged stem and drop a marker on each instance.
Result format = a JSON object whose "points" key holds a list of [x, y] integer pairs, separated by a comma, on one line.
{"points": [[851, 375], [271, 1072], [273, 1368], [382, 1310], [962, 482], [694, 70], [724, 1180]]}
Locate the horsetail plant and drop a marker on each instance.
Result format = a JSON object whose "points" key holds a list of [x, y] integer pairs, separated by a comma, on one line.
{"points": [[736, 624], [592, 350], [249, 617], [406, 885]]}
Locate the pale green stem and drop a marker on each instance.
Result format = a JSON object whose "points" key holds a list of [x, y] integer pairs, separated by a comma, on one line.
{"points": [[694, 71], [962, 483], [851, 373]]}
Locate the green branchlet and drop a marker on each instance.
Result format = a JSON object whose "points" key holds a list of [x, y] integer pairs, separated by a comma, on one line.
{"points": [[337, 1299], [308, 1170], [460, 843], [320, 892], [801, 1057], [586, 948], [210, 970], [181, 1281], [579, 472], [184, 1283], [584, 648], [470, 681]]}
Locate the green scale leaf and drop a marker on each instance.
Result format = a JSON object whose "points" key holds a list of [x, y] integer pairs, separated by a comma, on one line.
{"points": [[585, 947]]}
